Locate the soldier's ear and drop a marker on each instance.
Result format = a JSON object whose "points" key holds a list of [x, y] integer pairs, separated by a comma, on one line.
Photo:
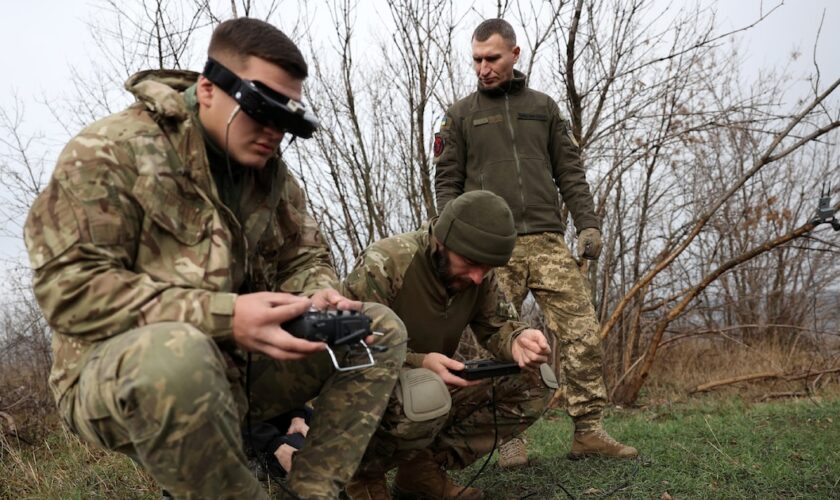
{"points": [[516, 51], [204, 90]]}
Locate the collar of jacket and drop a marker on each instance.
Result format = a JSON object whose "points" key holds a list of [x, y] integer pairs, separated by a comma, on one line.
{"points": [[169, 95], [513, 86]]}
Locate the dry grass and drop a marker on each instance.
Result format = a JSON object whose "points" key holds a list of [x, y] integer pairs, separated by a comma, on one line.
{"points": [[39, 458], [682, 366], [60, 466]]}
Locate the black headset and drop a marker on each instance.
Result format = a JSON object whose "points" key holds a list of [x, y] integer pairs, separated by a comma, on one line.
{"points": [[262, 103]]}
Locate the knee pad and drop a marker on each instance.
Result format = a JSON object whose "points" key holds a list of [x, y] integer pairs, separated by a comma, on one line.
{"points": [[424, 395], [548, 376]]}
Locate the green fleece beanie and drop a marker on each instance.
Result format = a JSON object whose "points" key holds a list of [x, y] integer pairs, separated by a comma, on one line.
{"points": [[477, 225]]}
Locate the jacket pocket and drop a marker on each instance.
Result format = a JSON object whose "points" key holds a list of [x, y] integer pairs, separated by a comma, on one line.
{"points": [[184, 218], [543, 216], [175, 242], [501, 178]]}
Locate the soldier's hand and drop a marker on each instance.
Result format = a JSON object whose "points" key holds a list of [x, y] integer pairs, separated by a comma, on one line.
{"points": [[298, 425], [442, 365], [284, 455], [530, 349], [329, 298], [589, 243], [256, 325]]}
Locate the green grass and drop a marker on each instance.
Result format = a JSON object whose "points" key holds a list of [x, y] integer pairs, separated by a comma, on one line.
{"points": [[707, 448]]}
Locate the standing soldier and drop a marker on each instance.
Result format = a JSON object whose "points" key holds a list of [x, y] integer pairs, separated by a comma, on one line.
{"points": [[512, 140], [172, 239]]}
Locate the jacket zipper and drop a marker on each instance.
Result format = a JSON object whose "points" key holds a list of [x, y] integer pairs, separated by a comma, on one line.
{"points": [[516, 161]]}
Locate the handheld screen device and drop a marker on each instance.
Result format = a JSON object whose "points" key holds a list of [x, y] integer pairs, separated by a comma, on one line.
{"points": [[262, 103], [486, 368]]}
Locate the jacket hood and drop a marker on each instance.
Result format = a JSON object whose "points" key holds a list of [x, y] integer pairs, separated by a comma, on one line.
{"points": [[160, 91]]}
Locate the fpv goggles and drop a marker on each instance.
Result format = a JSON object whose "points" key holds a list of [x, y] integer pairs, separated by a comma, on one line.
{"points": [[263, 104]]}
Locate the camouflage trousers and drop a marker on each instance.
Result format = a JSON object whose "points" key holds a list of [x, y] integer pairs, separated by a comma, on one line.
{"points": [[542, 264], [168, 397], [467, 432]]}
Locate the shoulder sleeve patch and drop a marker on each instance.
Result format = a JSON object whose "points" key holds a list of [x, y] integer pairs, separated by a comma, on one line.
{"points": [[439, 144]]}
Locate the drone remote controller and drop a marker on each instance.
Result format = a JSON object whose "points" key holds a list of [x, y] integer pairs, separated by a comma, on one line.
{"points": [[336, 329]]}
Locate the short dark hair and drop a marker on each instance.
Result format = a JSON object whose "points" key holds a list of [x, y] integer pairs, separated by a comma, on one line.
{"points": [[492, 27], [242, 37]]}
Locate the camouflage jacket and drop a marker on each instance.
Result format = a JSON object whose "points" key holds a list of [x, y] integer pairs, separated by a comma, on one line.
{"points": [[514, 142], [400, 272], [130, 230]]}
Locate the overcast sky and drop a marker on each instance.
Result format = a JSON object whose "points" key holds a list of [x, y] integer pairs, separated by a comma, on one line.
{"points": [[43, 41]]}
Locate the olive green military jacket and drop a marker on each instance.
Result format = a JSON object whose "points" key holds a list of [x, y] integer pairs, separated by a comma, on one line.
{"points": [[130, 230], [514, 142], [400, 272]]}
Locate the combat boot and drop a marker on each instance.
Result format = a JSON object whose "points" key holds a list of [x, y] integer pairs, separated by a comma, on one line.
{"points": [[423, 478], [372, 487], [513, 454], [596, 442]]}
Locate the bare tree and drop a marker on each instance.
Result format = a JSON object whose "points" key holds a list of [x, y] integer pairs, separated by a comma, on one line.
{"points": [[704, 179]]}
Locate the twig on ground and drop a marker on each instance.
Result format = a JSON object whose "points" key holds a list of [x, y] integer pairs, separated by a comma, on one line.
{"points": [[780, 395], [758, 376]]}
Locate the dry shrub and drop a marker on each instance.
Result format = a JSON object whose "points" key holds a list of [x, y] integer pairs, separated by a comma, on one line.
{"points": [[26, 401], [683, 365]]}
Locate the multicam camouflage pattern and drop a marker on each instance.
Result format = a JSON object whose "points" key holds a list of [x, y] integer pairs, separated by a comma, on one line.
{"points": [[131, 234], [174, 374], [467, 433], [130, 230], [543, 264], [399, 273], [346, 412]]}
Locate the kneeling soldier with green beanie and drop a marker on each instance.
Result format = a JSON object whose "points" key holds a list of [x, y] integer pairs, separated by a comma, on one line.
{"points": [[439, 280]]}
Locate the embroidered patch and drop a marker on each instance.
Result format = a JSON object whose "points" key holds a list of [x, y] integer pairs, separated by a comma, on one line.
{"points": [[438, 144], [487, 119], [532, 116]]}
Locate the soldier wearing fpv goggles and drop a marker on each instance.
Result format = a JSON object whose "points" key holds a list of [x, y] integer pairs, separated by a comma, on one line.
{"points": [[169, 246]]}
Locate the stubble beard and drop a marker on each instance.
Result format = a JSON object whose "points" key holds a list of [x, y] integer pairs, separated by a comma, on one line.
{"points": [[452, 284]]}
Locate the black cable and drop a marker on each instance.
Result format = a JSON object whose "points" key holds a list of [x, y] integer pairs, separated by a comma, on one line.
{"points": [[627, 481], [248, 361], [495, 440], [568, 495]]}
